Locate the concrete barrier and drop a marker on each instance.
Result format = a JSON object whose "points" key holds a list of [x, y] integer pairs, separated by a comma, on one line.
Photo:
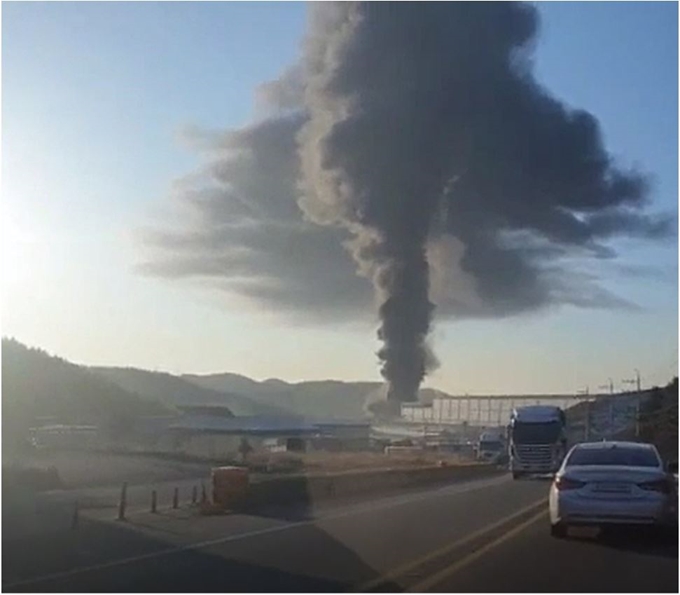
{"points": [[301, 489]]}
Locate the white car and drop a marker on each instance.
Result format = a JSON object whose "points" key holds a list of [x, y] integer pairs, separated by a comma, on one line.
{"points": [[608, 483]]}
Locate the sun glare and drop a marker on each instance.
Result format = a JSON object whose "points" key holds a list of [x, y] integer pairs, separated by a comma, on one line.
{"points": [[18, 253]]}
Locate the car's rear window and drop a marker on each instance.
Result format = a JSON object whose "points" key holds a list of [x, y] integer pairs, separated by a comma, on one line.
{"points": [[634, 457]]}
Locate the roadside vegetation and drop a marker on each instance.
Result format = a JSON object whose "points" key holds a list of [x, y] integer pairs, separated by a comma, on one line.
{"points": [[659, 420], [38, 388]]}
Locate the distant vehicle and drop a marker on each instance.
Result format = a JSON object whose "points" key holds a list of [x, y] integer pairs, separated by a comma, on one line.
{"points": [[612, 483], [537, 440], [490, 447]]}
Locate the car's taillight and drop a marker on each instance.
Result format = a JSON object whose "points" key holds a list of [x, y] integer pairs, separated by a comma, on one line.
{"points": [[659, 485], [566, 483]]}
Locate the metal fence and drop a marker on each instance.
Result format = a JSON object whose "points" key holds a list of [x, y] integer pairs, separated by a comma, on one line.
{"points": [[607, 413]]}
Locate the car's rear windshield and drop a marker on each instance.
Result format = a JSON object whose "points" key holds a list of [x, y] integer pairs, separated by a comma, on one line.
{"points": [[620, 455]]}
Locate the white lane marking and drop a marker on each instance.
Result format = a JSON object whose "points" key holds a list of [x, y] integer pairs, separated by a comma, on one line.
{"points": [[351, 510]]}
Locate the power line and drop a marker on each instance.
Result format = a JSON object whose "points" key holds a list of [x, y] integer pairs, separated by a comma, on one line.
{"points": [[609, 386], [636, 381]]}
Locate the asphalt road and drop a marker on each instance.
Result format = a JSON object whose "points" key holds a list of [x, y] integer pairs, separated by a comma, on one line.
{"points": [[532, 561], [484, 536]]}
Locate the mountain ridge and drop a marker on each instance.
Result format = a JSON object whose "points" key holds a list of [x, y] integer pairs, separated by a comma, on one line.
{"points": [[323, 398], [177, 391], [38, 385], [243, 396]]}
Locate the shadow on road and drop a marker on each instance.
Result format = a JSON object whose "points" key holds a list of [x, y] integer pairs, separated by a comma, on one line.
{"points": [[639, 540], [312, 561], [539, 478]]}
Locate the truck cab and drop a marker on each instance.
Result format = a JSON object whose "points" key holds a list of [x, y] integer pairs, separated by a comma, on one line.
{"points": [[537, 440]]}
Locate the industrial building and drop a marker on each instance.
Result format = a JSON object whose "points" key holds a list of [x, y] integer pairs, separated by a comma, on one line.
{"points": [[214, 436], [51, 436]]}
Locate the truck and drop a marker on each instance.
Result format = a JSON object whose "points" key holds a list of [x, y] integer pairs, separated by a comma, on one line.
{"points": [[537, 440], [490, 447]]}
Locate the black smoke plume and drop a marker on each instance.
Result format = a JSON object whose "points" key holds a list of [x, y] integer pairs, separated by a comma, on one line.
{"points": [[415, 136]]}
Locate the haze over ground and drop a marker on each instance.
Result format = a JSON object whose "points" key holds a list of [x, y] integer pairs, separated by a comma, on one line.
{"points": [[90, 153]]}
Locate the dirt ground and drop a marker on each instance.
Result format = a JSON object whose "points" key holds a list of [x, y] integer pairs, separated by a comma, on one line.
{"points": [[92, 469], [79, 469], [352, 461]]}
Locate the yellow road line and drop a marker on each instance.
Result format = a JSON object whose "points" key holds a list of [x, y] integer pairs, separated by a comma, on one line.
{"points": [[404, 569], [446, 573]]}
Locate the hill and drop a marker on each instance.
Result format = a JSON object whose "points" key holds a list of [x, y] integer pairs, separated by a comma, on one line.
{"points": [[325, 398], [236, 383], [658, 422], [176, 391], [83, 393], [38, 385], [322, 398]]}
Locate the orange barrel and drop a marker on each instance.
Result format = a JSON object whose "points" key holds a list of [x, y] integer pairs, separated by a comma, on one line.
{"points": [[230, 486]]}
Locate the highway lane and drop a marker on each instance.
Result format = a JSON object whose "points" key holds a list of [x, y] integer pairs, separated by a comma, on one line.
{"points": [[532, 561], [376, 535], [360, 545]]}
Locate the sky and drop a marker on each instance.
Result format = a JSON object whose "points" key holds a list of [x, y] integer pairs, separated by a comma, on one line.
{"points": [[96, 97]]}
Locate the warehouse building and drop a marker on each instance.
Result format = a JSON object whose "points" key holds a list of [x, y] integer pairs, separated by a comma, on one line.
{"points": [[214, 436]]}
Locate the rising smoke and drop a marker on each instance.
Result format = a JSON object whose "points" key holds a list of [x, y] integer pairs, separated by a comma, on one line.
{"points": [[415, 136]]}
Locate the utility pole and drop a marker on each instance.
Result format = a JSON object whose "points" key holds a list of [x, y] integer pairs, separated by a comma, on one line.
{"points": [[610, 386], [424, 417], [636, 381], [638, 385], [586, 422]]}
